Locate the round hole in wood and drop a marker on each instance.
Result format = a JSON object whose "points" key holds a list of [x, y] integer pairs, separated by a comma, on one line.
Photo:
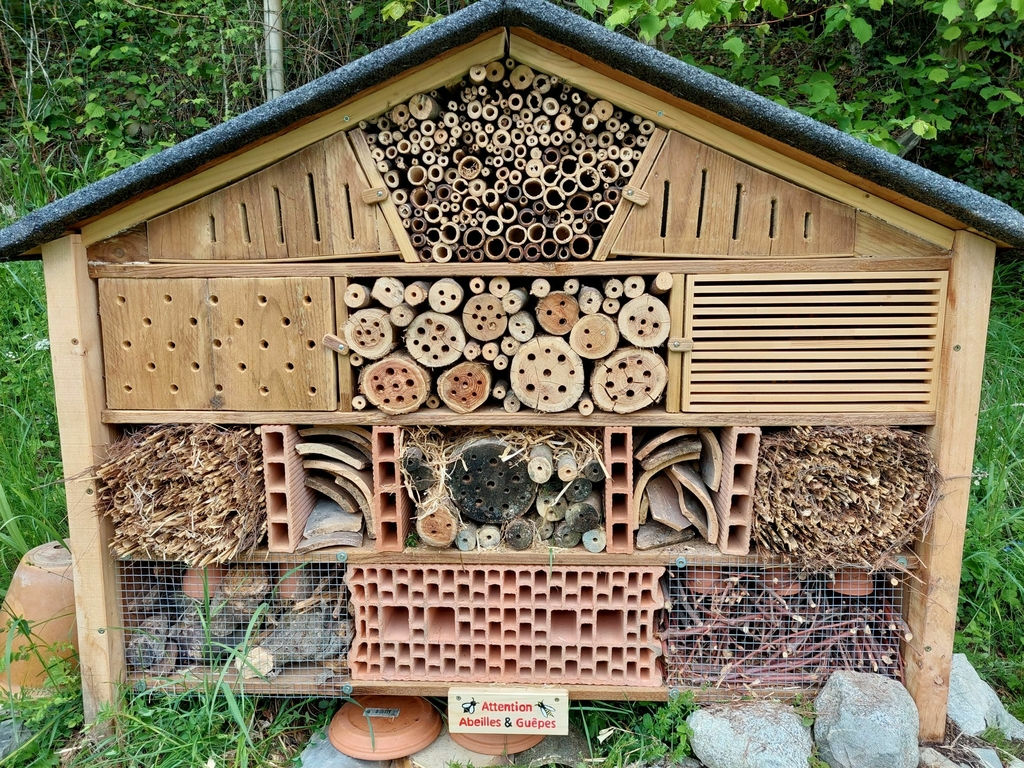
{"points": [[264, 344], [195, 366], [127, 387], [193, 321], [286, 321], [147, 321], [242, 366], [311, 344], [121, 299], [264, 391], [150, 366], [217, 343], [171, 345], [239, 322], [214, 298], [312, 391], [307, 299], [218, 388], [126, 344], [261, 300], [167, 298], [174, 389], [289, 366]]}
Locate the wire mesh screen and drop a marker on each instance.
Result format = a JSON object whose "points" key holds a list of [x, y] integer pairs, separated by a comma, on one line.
{"points": [[269, 628], [742, 626]]}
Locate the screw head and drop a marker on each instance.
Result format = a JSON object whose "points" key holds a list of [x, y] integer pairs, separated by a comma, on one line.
{"points": [[380, 193], [629, 193], [660, 113], [680, 562], [346, 118], [956, 347]]}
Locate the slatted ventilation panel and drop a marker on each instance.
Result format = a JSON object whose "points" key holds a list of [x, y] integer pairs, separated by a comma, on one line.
{"points": [[813, 342], [309, 205], [704, 202]]}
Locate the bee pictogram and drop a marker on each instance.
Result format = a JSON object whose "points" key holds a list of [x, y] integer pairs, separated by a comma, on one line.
{"points": [[469, 707], [546, 709]]}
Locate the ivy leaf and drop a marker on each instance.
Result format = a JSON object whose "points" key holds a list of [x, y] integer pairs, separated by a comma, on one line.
{"points": [[650, 25], [951, 10], [92, 109], [985, 8], [920, 127], [770, 82], [998, 106], [588, 6], [776, 8], [951, 34], [697, 19], [619, 17], [861, 30], [876, 5], [735, 46], [938, 75], [356, 12]]}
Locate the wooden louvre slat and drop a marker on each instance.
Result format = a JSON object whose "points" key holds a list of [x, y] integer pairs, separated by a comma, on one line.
{"points": [[813, 342]]}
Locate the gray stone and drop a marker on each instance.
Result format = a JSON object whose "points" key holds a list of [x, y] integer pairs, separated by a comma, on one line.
{"points": [[12, 735], [1015, 763], [653, 534], [751, 735], [443, 752], [866, 721], [320, 753], [570, 751], [988, 757], [930, 758], [688, 762], [329, 517], [974, 706]]}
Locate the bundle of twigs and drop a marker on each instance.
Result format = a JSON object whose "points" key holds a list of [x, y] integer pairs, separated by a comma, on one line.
{"points": [[843, 495], [192, 493]]}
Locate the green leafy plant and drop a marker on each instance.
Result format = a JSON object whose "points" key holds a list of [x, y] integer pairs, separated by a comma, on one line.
{"points": [[625, 734]]}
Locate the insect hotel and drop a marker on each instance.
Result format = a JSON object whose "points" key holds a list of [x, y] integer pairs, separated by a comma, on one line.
{"points": [[518, 352]]}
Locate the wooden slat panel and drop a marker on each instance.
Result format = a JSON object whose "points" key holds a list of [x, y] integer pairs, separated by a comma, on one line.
{"points": [[703, 201], [778, 342], [221, 343]]}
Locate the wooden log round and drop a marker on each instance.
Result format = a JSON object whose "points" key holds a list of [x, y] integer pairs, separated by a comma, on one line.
{"points": [[557, 313], [589, 299], [541, 464], [565, 536], [499, 286], [628, 380], [595, 540], [510, 403], [465, 539], [465, 387], [644, 321], [633, 287], [395, 384], [514, 300], [662, 283], [484, 318], [486, 485], [445, 295], [547, 375], [402, 315], [566, 467], [488, 536], [585, 515], [585, 406], [416, 293], [472, 350], [388, 291], [423, 107], [438, 528], [371, 333], [594, 337], [519, 533], [357, 296], [540, 288], [435, 340], [521, 327]]}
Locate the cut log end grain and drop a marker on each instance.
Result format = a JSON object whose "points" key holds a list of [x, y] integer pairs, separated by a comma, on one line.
{"points": [[594, 337], [370, 333], [519, 533], [465, 387], [547, 375], [644, 321], [435, 339], [484, 318], [628, 380], [557, 313], [395, 384], [445, 295], [437, 528]]}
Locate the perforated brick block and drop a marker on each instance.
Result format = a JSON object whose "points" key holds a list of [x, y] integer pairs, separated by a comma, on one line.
{"points": [[734, 499], [618, 489], [289, 501], [392, 507], [589, 626]]}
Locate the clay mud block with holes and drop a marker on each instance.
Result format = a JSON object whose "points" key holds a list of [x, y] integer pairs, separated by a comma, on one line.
{"points": [[245, 344], [392, 507], [734, 499], [585, 626], [618, 489], [289, 501]]}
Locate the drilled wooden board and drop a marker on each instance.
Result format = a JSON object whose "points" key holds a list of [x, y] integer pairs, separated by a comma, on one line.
{"points": [[308, 205], [224, 343], [703, 201], [852, 342]]}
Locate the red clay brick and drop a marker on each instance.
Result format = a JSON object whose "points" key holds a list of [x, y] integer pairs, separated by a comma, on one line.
{"points": [[618, 489], [734, 499], [289, 501], [392, 507]]}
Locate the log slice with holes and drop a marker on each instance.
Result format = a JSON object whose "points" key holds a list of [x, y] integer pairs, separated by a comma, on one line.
{"points": [[465, 387], [628, 380], [547, 375], [371, 333], [484, 318], [644, 321], [485, 487], [558, 312], [435, 340], [395, 384], [594, 337]]}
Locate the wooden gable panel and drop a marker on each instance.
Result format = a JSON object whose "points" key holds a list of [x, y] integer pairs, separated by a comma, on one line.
{"points": [[705, 202], [309, 205]]}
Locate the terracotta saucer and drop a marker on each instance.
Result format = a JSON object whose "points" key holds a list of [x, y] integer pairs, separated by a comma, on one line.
{"points": [[415, 726], [497, 743], [853, 582]]}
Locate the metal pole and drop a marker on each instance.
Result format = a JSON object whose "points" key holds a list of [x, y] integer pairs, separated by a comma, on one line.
{"points": [[275, 48]]}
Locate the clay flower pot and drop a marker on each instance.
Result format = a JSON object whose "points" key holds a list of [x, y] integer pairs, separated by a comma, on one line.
{"points": [[853, 582], [703, 579], [415, 726], [198, 582], [497, 743]]}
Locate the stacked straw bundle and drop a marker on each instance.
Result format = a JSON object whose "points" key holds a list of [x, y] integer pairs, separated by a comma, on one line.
{"points": [[192, 493], [835, 496]]}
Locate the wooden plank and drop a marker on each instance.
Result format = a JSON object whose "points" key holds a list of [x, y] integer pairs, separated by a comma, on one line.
{"points": [[931, 608], [677, 375], [380, 268], [878, 238], [732, 138], [77, 355], [353, 226], [494, 416], [346, 378], [127, 247], [368, 104], [387, 209], [643, 168]]}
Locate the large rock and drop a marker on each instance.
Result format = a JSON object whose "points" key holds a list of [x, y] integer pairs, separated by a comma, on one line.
{"points": [[866, 721], [988, 757], [754, 735], [569, 751], [320, 753], [931, 758], [12, 736], [974, 706]]}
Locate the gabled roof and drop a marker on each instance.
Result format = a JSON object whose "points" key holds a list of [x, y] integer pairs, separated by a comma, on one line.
{"points": [[974, 209]]}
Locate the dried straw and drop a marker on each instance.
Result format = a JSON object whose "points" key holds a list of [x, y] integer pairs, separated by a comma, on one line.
{"points": [[834, 496], [192, 493]]}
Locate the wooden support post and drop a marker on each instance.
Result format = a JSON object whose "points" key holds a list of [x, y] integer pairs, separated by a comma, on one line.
{"points": [[931, 607], [78, 384]]}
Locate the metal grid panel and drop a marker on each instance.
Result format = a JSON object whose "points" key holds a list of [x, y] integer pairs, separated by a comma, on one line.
{"points": [[742, 626], [268, 628]]}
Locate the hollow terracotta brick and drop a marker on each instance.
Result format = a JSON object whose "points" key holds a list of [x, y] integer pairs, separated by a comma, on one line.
{"points": [[392, 506], [618, 489], [734, 499], [289, 501]]}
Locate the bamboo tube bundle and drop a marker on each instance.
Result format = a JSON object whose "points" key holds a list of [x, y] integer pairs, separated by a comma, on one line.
{"points": [[831, 496], [470, 162], [155, 480]]}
